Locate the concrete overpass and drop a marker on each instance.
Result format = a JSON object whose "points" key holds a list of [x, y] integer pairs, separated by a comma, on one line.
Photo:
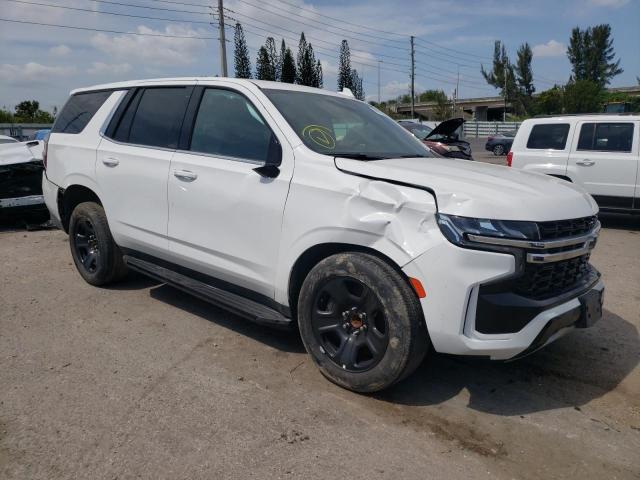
{"points": [[483, 108]]}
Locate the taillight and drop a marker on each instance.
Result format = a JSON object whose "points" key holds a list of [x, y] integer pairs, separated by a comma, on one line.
{"points": [[509, 158], [44, 154]]}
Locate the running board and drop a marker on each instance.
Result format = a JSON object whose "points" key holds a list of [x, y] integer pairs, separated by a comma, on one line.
{"points": [[254, 311]]}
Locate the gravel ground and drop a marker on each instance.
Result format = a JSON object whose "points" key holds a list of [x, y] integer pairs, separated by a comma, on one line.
{"points": [[142, 380]]}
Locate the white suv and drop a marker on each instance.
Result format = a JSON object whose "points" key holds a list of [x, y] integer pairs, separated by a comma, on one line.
{"points": [[294, 206], [598, 152]]}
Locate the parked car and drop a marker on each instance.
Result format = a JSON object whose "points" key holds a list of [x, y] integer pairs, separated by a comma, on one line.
{"points": [[21, 182], [444, 139], [377, 251], [4, 139], [597, 152], [500, 143]]}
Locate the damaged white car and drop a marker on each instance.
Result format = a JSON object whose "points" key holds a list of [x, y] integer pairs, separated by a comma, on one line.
{"points": [[21, 182], [294, 206]]}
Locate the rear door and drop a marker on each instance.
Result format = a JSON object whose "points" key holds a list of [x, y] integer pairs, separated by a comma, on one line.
{"points": [[544, 148], [604, 160], [133, 166]]}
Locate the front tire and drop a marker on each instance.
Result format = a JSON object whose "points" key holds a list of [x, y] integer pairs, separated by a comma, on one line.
{"points": [[97, 257], [498, 150], [361, 322]]}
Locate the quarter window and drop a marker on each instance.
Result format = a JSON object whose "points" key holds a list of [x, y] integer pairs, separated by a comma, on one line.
{"points": [[158, 118], [78, 111], [228, 125], [607, 137], [548, 136]]}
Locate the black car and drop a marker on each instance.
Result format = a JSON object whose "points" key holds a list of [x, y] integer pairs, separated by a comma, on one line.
{"points": [[444, 139], [500, 144]]}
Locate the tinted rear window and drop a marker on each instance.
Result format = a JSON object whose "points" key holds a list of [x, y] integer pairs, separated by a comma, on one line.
{"points": [[548, 136], [158, 118], [607, 137], [78, 111]]}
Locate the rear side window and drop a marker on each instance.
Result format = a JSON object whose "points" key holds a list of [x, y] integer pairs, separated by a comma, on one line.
{"points": [[154, 117], [78, 111], [548, 136], [608, 137], [228, 125]]}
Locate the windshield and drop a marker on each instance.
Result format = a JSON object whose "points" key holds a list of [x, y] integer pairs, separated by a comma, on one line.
{"points": [[420, 131], [342, 127]]}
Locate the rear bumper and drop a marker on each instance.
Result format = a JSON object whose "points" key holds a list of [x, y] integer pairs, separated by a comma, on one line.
{"points": [[456, 315]]}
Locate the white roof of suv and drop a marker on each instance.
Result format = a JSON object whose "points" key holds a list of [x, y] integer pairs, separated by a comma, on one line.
{"points": [[208, 80]]}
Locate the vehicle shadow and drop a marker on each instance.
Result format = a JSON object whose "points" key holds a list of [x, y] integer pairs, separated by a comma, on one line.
{"points": [[578, 368], [286, 341], [620, 221]]}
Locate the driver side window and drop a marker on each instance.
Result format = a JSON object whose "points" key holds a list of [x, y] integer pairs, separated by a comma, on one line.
{"points": [[228, 125]]}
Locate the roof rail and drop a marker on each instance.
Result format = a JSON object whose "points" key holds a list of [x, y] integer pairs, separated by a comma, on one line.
{"points": [[599, 114]]}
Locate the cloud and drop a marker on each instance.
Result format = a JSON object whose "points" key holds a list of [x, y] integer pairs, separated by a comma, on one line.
{"points": [[60, 50], [609, 3], [100, 68], [32, 73], [150, 50], [550, 49]]}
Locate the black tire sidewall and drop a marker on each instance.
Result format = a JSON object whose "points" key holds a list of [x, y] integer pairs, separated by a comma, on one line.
{"points": [[109, 254], [498, 150], [387, 285]]}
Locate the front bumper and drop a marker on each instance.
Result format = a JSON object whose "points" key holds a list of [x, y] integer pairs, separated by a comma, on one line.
{"points": [[455, 307]]}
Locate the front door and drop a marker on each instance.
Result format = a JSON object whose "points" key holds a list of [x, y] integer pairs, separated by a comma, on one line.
{"points": [[225, 220], [604, 160]]}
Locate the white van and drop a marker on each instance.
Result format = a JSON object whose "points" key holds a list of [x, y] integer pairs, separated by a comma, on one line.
{"points": [[598, 152]]}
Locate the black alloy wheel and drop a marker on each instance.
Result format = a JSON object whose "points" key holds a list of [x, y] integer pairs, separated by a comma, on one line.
{"points": [[86, 245], [349, 323], [498, 150]]}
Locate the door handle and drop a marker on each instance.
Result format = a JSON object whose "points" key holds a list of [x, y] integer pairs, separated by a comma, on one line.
{"points": [[586, 162], [185, 175], [111, 162]]}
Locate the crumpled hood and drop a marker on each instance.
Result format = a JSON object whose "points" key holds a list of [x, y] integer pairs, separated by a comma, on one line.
{"points": [[22, 152], [483, 190]]}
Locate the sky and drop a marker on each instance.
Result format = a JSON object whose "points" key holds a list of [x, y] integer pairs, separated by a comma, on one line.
{"points": [[45, 62]]}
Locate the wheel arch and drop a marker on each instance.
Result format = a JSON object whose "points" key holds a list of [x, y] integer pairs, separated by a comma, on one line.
{"points": [[315, 254], [72, 196]]}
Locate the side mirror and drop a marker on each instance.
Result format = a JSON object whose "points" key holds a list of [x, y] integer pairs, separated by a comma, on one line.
{"points": [[271, 169]]}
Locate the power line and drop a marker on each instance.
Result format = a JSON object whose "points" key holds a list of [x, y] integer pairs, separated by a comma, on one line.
{"points": [[434, 44], [164, 9], [315, 39], [315, 25], [107, 31], [107, 13]]}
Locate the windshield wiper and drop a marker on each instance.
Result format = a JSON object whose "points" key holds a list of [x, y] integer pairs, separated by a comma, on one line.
{"points": [[358, 156]]}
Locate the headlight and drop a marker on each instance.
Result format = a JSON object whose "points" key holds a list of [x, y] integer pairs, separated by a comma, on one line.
{"points": [[457, 229]]}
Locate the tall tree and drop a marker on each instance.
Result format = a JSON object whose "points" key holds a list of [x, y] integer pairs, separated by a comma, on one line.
{"points": [[288, 74], [241, 60], [356, 85], [27, 109], [502, 74], [592, 56], [272, 51], [283, 49], [319, 81], [344, 68], [583, 96], [524, 76], [264, 67], [306, 71]]}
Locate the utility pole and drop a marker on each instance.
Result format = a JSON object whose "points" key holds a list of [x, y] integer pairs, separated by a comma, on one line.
{"points": [[413, 79], [504, 114], [455, 97], [379, 62], [223, 43]]}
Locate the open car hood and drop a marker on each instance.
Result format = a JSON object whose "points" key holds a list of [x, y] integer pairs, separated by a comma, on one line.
{"points": [[446, 128], [22, 152]]}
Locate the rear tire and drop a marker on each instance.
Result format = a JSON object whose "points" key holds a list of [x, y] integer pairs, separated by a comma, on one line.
{"points": [[361, 322], [97, 257], [498, 150]]}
